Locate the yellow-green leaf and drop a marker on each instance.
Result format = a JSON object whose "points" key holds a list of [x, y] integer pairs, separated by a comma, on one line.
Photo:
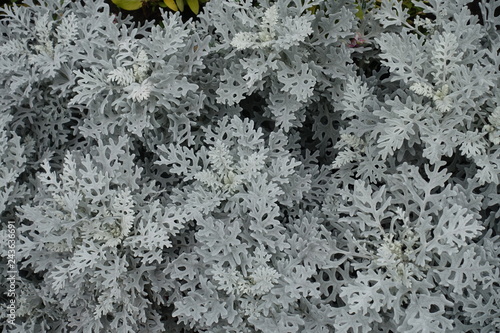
{"points": [[313, 9], [171, 4], [194, 6], [180, 4], [359, 13], [128, 4]]}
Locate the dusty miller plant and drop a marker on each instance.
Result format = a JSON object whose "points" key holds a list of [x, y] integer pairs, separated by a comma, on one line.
{"points": [[280, 166]]}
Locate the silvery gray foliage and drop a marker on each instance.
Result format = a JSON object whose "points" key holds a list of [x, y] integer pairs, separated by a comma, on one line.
{"points": [[12, 165], [279, 166], [95, 226], [141, 81], [282, 52], [413, 258], [255, 268]]}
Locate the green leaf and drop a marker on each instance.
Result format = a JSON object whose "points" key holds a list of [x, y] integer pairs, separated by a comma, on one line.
{"points": [[359, 13], [194, 6], [180, 4], [171, 4], [128, 4]]}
